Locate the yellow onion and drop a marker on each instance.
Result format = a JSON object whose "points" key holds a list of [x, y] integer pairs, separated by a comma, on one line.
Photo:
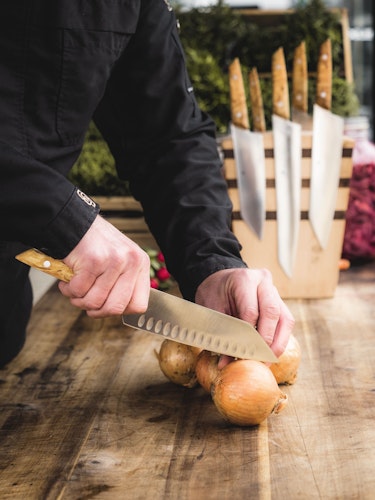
{"points": [[245, 392], [286, 370], [177, 362], [206, 369]]}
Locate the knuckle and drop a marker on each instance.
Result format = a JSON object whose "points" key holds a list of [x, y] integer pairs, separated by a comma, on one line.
{"points": [[116, 260], [136, 307], [266, 274], [116, 309], [76, 289], [251, 314], [142, 259], [95, 303], [134, 258], [268, 338], [272, 311]]}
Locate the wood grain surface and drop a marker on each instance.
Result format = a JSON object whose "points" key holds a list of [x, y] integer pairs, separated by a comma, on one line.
{"points": [[86, 413], [280, 90], [256, 101], [238, 103], [300, 79], [324, 76]]}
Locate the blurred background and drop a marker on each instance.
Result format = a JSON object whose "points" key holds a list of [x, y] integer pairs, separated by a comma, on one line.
{"points": [[213, 32], [361, 35]]}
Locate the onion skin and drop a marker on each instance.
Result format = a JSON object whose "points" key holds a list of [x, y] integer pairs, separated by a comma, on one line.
{"points": [[178, 361], [245, 392], [207, 369], [286, 370]]}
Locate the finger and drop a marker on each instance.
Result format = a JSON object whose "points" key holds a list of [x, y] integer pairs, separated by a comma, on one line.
{"points": [[269, 311], [139, 298], [284, 329], [224, 360], [79, 285], [245, 300], [126, 296], [95, 296]]}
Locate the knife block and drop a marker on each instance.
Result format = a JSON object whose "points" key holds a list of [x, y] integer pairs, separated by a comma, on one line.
{"points": [[316, 270]]}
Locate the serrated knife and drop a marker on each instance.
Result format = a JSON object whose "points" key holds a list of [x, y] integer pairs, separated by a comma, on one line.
{"points": [[177, 319]]}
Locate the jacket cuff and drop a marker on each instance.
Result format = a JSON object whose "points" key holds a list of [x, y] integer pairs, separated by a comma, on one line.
{"points": [[70, 225]]}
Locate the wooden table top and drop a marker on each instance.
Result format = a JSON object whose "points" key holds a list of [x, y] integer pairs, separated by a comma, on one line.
{"points": [[87, 413]]}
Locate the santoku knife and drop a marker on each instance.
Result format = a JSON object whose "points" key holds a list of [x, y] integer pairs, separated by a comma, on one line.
{"points": [[177, 319]]}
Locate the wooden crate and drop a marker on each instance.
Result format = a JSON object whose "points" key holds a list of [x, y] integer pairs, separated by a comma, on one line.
{"points": [[316, 271]]}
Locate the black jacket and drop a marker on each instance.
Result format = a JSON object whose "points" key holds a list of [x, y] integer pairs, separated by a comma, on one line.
{"points": [[119, 62]]}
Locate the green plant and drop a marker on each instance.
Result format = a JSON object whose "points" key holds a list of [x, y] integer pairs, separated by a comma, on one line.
{"points": [[94, 171], [226, 33], [211, 85]]}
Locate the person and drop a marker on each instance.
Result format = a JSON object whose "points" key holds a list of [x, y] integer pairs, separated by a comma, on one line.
{"points": [[120, 64]]}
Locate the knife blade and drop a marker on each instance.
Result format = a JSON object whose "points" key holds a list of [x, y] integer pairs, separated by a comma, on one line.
{"points": [[328, 132], [249, 155], [287, 158], [177, 319]]}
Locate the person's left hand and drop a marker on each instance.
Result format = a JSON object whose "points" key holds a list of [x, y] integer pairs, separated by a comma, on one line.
{"points": [[249, 294]]}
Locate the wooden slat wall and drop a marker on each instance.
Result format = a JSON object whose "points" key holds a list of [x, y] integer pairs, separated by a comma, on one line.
{"points": [[316, 272]]}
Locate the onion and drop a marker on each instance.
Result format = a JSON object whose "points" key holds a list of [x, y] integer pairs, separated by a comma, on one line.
{"points": [[286, 370], [207, 369], [177, 362], [245, 392]]}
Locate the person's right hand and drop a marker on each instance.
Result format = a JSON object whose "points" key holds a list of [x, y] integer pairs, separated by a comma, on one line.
{"points": [[111, 273]]}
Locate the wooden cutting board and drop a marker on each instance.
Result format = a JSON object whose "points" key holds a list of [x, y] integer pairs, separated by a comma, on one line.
{"points": [[86, 413]]}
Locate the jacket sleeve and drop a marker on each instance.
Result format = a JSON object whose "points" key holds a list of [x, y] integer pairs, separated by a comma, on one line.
{"points": [[170, 152], [39, 206]]}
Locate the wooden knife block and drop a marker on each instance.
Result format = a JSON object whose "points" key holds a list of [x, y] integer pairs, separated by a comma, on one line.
{"points": [[316, 271]]}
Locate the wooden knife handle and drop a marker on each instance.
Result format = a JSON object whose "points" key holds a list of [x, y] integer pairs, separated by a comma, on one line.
{"points": [[280, 92], [238, 106], [324, 76], [257, 110], [42, 262], [300, 79]]}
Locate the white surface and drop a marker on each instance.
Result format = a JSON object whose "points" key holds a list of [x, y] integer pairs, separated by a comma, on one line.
{"points": [[40, 282]]}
